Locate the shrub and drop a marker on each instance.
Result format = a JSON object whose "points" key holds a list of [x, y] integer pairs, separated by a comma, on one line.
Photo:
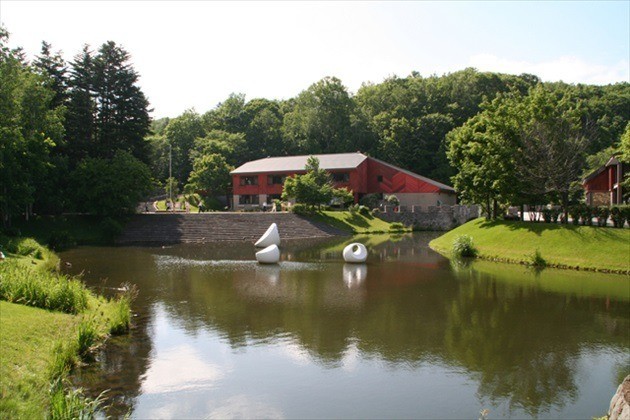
{"points": [[546, 213], [365, 211], [111, 229], [61, 240], [12, 232], [301, 209], [574, 213], [392, 200], [586, 214], [396, 227], [353, 208], [602, 214], [370, 200], [463, 247], [537, 260], [376, 211]]}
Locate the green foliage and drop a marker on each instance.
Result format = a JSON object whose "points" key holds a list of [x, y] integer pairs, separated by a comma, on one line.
{"points": [[619, 215], [120, 317], [370, 200], [110, 229], [87, 336], [342, 196], [41, 289], [111, 187], [301, 209], [392, 200], [61, 240], [211, 174], [602, 213], [397, 227], [67, 403], [537, 260], [463, 246], [312, 189]]}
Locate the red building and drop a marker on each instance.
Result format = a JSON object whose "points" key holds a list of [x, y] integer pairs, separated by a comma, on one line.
{"points": [[260, 181], [603, 186]]}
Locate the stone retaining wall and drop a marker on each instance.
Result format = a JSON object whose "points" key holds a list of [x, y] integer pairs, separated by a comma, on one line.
{"points": [[430, 217]]}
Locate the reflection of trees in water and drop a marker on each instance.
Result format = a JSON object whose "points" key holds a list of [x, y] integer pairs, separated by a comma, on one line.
{"points": [[522, 343], [519, 341]]}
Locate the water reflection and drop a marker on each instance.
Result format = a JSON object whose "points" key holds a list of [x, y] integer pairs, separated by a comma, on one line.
{"points": [[405, 335]]}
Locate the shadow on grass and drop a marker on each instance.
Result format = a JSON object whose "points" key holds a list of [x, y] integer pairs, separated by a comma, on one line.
{"points": [[539, 227]]}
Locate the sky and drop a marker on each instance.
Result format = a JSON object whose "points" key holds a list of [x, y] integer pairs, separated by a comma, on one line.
{"points": [[194, 54]]}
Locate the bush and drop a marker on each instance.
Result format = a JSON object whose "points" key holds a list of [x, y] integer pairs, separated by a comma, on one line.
{"points": [[396, 227], [392, 200], [586, 214], [463, 247], [365, 211], [376, 211], [370, 200], [574, 213], [111, 229], [619, 215], [61, 240], [301, 209], [12, 232], [537, 260], [602, 214]]}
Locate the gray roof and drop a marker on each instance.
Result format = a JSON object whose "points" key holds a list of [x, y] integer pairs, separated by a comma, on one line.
{"points": [[297, 163], [328, 162]]}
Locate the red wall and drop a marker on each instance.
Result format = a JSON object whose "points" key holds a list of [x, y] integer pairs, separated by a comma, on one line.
{"points": [[395, 181], [602, 182], [363, 180]]}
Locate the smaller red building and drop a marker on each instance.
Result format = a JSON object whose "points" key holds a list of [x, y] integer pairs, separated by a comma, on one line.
{"points": [[603, 187], [260, 181]]}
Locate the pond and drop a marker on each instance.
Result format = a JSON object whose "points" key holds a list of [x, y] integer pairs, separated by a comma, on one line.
{"points": [[409, 334]]}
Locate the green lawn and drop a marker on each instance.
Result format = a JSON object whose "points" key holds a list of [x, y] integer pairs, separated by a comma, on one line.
{"points": [[27, 337], [584, 247], [352, 222]]}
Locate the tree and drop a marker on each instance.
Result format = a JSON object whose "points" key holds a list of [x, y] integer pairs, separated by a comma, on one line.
{"points": [[29, 128], [53, 67], [111, 187], [321, 119], [180, 134], [313, 188], [211, 174]]}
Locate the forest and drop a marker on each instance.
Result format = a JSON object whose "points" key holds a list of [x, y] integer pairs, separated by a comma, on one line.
{"points": [[78, 136]]}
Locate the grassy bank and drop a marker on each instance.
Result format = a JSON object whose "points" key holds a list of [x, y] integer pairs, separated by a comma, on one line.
{"points": [[356, 222], [50, 323], [564, 246]]}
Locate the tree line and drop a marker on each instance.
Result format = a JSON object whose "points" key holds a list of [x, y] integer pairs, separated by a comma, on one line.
{"points": [[77, 136]]}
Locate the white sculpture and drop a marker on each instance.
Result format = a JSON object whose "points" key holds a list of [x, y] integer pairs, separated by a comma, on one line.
{"points": [[270, 237], [355, 253], [354, 274], [269, 255]]}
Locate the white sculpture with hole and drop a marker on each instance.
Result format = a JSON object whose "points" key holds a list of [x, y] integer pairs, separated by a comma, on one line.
{"points": [[269, 255], [270, 237], [355, 253]]}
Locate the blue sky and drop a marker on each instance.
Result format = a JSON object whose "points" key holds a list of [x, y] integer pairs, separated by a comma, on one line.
{"points": [[194, 54]]}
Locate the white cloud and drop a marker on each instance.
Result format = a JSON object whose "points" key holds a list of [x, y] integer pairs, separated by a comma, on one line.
{"points": [[569, 69]]}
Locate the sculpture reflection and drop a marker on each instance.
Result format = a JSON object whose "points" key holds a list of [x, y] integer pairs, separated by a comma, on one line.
{"points": [[354, 274]]}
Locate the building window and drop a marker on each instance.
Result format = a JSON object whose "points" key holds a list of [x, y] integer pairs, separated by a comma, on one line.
{"points": [[276, 179], [248, 199], [341, 177], [379, 178], [249, 180]]}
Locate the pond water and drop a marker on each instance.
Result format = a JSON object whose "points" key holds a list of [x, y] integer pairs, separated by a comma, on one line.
{"points": [[409, 334]]}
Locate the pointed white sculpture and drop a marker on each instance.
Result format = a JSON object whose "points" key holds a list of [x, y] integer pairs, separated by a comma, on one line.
{"points": [[269, 255], [354, 274], [355, 253], [270, 237]]}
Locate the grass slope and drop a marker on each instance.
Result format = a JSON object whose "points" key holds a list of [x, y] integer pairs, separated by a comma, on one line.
{"points": [[568, 246], [27, 338], [352, 222]]}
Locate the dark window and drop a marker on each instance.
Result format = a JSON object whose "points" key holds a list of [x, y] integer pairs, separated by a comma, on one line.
{"points": [[379, 178], [276, 179], [249, 180], [248, 199], [341, 177]]}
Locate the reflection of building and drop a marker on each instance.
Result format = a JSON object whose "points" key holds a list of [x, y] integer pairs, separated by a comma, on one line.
{"points": [[603, 186], [260, 181]]}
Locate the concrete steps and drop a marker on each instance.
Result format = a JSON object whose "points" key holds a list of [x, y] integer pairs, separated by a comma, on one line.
{"points": [[164, 228]]}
